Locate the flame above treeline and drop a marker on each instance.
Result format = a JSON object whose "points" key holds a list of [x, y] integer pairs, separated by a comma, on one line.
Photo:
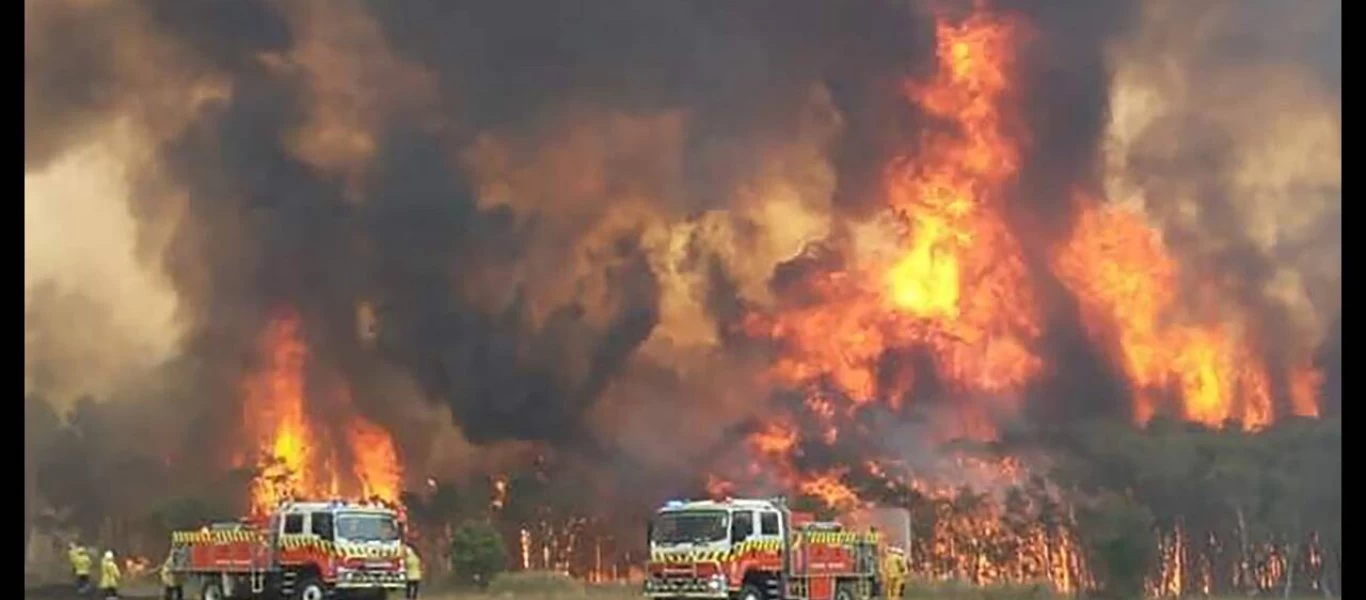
{"points": [[953, 285], [311, 447]]}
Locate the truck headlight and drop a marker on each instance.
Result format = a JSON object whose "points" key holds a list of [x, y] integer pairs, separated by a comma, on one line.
{"points": [[717, 583]]}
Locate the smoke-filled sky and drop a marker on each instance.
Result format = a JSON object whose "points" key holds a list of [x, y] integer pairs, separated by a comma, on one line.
{"points": [[504, 222]]}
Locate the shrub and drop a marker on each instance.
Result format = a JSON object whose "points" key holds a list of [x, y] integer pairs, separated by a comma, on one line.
{"points": [[477, 554]]}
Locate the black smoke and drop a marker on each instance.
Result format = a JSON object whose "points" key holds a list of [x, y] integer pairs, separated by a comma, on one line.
{"points": [[269, 230]]}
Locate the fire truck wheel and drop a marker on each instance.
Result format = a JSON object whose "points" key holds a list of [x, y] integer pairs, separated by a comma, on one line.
{"points": [[311, 589], [844, 591], [750, 592], [212, 591]]}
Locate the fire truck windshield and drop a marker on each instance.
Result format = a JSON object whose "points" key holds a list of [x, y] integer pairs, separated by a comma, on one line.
{"points": [[695, 526], [366, 527]]}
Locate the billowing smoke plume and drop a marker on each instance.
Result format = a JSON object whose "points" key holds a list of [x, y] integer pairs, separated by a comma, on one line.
{"points": [[547, 223]]}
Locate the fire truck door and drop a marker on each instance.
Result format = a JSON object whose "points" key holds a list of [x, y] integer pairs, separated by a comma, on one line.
{"points": [[320, 524], [769, 535]]}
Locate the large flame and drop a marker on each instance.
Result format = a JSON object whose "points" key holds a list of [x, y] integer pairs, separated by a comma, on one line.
{"points": [[1127, 285], [301, 455], [954, 287], [961, 287], [957, 286]]}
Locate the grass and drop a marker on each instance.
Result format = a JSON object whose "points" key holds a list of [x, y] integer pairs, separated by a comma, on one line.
{"points": [[963, 591], [540, 585], [591, 594], [554, 586], [634, 594]]}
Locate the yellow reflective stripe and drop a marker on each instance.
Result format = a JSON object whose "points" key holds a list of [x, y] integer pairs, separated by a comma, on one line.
{"points": [[304, 541], [684, 557], [233, 536], [749, 546], [840, 537], [212, 537], [193, 537]]}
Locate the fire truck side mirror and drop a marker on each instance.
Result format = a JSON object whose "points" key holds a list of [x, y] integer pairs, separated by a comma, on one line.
{"points": [[649, 533]]}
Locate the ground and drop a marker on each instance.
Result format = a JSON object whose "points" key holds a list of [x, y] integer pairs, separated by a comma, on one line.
{"points": [[147, 593], [152, 595], [616, 593]]}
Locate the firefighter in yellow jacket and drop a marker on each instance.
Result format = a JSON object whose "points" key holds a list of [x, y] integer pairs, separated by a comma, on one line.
{"points": [[170, 582], [80, 566], [894, 572], [109, 576], [413, 564]]}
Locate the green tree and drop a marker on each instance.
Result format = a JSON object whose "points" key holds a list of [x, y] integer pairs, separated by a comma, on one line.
{"points": [[1117, 534], [477, 553]]}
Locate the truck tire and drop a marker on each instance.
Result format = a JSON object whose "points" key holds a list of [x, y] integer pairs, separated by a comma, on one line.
{"points": [[750, 592], [310, 588], [212, 590], [845, 591]]}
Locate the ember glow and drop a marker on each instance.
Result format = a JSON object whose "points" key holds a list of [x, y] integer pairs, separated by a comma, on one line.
{"points": [[301, 455]]}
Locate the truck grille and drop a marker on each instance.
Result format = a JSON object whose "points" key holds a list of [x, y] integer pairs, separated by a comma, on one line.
{"points": [[684, 584], [368, 578]]}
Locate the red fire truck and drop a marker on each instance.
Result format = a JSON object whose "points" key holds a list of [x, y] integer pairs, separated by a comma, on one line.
{"points": [[303, 551], [757, 550]]}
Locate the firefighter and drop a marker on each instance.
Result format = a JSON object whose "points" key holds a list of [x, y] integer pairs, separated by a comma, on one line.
{"points": [[109, 576], [170, 582], [413, 563], [894, 572], [80, 566]]}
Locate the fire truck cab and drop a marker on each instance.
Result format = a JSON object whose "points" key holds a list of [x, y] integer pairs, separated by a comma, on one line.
{"points": [[303, 550], [752, 549]]}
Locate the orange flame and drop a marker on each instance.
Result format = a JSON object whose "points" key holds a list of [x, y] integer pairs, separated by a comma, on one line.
{"points": [[500, 493], [829, 489], [958, 288], [1119, 269], [300, 460], [375, 461], [962, 280]]}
